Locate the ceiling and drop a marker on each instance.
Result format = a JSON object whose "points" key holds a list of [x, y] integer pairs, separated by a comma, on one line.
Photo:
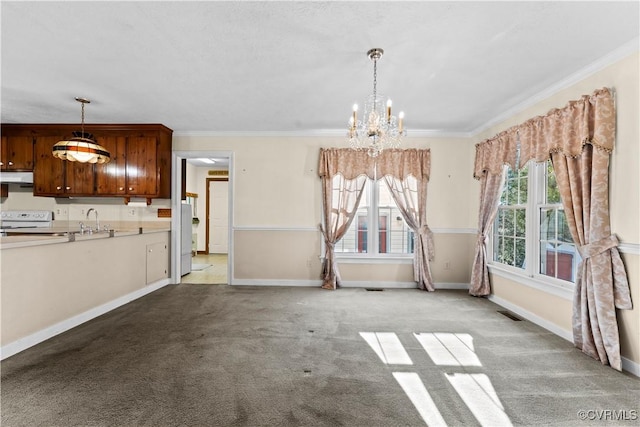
{"points": [[296, 67]]}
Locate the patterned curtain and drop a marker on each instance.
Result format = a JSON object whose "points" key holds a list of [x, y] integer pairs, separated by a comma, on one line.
{"points": [[406, 174], [344, 174], [579, 139], [490, 186], [601, 285]]}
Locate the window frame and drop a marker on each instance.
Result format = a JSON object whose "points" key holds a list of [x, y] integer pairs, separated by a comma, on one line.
{"points": [[530, 275], [373, 234]]}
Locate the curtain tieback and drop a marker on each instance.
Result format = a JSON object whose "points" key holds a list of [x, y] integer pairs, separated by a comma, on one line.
{"points": [[602, 245], [482, 239], [424, 230], [326, 238]]}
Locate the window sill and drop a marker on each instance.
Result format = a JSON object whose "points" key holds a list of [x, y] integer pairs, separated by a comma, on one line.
{"points": [[541, 283], [344, 258]]}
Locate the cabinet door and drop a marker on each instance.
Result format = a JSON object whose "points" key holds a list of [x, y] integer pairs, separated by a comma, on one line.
{"points": [[111, 177], [48, 171], [17, 153], [79, 179], [3, 153], [141, 169]]}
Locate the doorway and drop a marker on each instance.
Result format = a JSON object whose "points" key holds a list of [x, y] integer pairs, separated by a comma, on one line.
{"points": [[192, 174]]}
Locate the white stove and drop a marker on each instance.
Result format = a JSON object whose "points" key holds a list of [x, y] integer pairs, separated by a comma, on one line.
{"points": [[25, 219]]}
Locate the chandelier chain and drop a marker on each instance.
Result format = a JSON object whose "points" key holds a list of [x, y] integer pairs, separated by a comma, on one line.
{"points": [[375, 81]]}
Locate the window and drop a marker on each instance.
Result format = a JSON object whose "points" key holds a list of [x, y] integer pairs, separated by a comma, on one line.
{"points": [[531, 225], [509, 231], [378, 224], [558, 255]]}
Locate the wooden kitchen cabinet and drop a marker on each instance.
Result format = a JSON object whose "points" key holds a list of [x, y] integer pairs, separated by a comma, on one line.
{"points": [[140, 163], [141, 169], [59, 178], [48, 172], [16, 153], [111, 177]]}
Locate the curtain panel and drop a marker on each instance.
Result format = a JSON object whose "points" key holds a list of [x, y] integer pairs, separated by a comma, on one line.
{"points": [[579, 139], [406, 174], [344, 172]]}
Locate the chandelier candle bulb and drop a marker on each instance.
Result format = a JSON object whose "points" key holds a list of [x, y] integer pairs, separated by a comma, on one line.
{"points": [[354, 119], [400, 119], [388, 111]]}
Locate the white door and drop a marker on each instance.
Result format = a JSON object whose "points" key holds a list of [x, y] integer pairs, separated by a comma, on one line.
{"points": [[219, 217]]}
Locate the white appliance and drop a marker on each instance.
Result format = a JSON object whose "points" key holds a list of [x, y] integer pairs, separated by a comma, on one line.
{"points": [[185, 242], [14, 220]]}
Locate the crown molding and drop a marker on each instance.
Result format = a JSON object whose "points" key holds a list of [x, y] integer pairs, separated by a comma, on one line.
{"points": [[327, 133], [612, 57]]}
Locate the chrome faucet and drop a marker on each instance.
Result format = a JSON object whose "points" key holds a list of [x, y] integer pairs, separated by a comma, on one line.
{"points": [[97, 222]]}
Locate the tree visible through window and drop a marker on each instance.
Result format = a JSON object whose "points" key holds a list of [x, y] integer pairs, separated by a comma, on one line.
{"points": [[511, 220], [548, 238]]}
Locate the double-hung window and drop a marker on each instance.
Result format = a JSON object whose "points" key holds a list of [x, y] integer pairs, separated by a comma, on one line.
{"points": [[378, 227], [530, 232]]}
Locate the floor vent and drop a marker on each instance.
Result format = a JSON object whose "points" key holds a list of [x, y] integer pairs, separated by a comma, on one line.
{"points": [[374, 289], [510, 315]]}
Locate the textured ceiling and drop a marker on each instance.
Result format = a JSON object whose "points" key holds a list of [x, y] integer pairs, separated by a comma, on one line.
{"points": [[278, 67]]}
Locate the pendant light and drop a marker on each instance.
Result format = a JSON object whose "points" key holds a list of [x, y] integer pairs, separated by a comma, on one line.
{"points": [[82, 147]]}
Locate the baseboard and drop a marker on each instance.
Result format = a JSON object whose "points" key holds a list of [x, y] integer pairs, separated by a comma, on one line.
{"points": [[378, 285], [630, 366], [276, 282], [533, 318], [627, 365], [51, 331], [455, 286], [345, 284]]}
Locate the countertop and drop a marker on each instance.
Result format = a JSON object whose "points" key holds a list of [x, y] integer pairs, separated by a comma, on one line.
{"points": [[53, 235]]}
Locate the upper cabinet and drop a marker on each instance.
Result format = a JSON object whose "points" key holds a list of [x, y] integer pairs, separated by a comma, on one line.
{"points": [[16, 152], [140, 163]]}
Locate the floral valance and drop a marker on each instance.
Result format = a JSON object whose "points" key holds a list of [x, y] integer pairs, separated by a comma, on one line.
{"points": [[588, 120], [398, 163]]}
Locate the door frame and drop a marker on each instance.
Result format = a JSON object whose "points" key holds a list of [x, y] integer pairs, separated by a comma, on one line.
{"points": [[208, 211], [176, 191]]}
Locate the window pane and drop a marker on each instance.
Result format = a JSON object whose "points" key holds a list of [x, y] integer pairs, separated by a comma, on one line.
{"points": [[520, 253], [559, 257], [352, 241], [551, 191], [508, 224], [394, 235], [521, 222]]}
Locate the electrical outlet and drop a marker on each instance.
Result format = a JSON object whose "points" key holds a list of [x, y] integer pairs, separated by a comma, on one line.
{"points": [[447, 265], [82, 212], [132, 212]]}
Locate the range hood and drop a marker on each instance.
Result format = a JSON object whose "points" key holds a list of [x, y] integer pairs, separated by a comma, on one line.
{"points": [[16, 177]]}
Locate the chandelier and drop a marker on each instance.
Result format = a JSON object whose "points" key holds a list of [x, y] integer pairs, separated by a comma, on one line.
{"points": [[379, 129], [82, 147]]}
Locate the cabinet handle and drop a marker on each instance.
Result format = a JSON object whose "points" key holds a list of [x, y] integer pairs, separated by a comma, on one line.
{"points": [[10, 163], [121, 188], [1, 163], [68, 188], [58, 188], [130, 188]]}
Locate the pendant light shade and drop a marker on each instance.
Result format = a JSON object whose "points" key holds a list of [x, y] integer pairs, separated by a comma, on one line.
{"points": [[81, 147]]}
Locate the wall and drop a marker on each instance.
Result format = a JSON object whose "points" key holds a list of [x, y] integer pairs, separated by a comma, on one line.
{"points": [[73, 282], [277, 209], [69, 212], [624, 77]]}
